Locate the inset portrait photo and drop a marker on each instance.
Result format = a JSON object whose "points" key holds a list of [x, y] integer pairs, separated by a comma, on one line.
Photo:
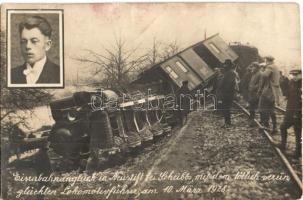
{"points": [[35, 48]]}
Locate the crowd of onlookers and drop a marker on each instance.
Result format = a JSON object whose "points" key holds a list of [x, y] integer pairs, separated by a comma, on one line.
{"points": [[263, 87]]}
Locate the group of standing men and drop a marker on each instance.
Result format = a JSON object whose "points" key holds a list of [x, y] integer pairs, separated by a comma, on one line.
{"points": [[263, 94]]}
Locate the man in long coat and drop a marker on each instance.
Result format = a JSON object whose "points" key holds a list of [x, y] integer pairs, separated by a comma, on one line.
{"points": [[217, 89], [293, 114], [228, 86], [270, 93], [253, 86], [184, 101]]}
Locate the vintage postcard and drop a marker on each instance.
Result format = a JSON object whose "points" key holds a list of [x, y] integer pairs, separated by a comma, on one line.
{"points": [[151, 101]]}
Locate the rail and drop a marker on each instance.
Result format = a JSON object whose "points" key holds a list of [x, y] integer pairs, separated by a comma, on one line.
{"points": [[283, 158]]}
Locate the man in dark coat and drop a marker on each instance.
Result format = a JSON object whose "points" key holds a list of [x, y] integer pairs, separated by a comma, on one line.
{"points": [[217, 89], [253, 86], [284, 83], [293, 114], [35, 37], [49, 74], [184, 101], [228, 90]]}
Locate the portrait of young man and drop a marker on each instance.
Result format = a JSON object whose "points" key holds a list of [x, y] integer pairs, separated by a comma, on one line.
{"points": [[40, 46]]}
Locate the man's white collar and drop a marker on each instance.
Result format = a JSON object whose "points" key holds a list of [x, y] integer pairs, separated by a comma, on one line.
{"points": [[33, 73]]}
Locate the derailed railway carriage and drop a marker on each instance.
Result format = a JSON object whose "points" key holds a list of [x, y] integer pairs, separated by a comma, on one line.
{"points": [[194, 64], [92, 138]]}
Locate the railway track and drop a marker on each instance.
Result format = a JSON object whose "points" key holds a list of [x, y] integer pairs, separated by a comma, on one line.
{"points": [[215, 155], [289, 164], [297, 165]]}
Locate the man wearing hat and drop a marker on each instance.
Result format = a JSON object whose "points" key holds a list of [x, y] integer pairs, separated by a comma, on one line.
{"points": [[253, 87], [228, 90], [217, 89], [293, 114], [269, 92], [183, 100]]}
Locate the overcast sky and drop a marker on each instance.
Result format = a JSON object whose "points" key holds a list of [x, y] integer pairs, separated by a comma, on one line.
{"points": [[272, 28]]}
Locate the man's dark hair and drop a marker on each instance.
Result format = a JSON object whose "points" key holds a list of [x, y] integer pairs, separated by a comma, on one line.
{"points": [[36, 22]]}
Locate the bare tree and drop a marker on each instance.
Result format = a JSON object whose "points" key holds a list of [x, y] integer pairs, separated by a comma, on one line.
{"points": [[153, 53], [170, 49], [161, 51], [116, 64]]}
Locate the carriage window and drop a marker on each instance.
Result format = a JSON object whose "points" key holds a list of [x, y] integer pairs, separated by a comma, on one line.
{"points": [[171, 72], [174, 75], [214, 47], [168, 69], [181, 67]]}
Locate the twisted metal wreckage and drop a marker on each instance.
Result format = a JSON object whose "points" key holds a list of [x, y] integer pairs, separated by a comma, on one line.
{"points": [[92, 138]]}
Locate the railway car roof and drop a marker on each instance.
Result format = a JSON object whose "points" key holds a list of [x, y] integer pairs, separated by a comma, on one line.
{"points": [[215, 45]]}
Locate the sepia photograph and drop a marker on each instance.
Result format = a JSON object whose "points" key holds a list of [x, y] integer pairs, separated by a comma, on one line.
{"points": [[35, 54], [151, 101]]}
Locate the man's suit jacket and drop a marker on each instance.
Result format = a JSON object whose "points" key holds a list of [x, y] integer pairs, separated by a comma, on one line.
{"points": [[49, 74]]}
